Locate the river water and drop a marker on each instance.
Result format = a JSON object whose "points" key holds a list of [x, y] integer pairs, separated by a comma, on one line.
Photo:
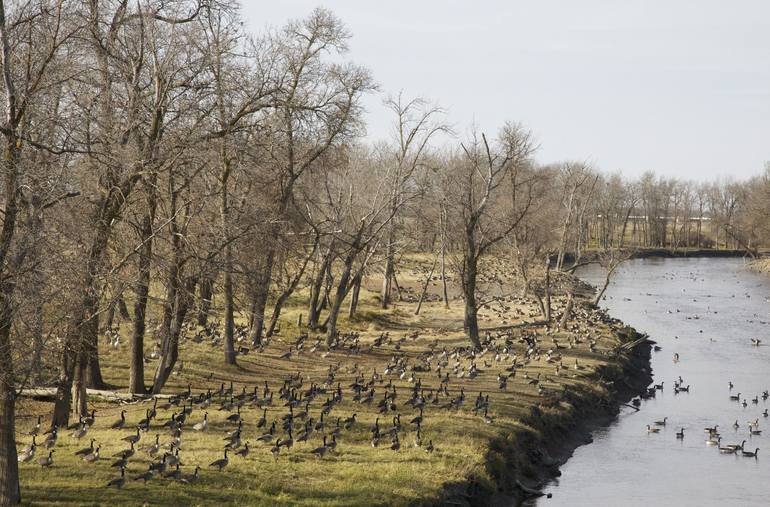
{"points": [[707, 311]]}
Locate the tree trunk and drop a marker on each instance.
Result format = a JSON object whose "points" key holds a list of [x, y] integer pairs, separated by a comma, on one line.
{"points": [[262, 291], [356, 290], [470, 321], [314, 305], [547, 298], [389, 268], [10, 493], [567, 313], [206, 288], [425, 287], [170, 342], [142, 291], [342, 289]]}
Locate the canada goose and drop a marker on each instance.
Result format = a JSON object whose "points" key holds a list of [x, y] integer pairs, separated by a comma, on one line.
{"points": [[350, 421], [276, 449], [289, 441], [90, 419], [736, 425], [736, 397], [711, 430], [321, 450], [755, 432], [661, 423], [154, 448], [680, 434], [221, 462], [268, 437], [727, 450], [736, 447], [189, 479], [125, 453], [47, 461], [146, 476], [395, 444], [650, 429], [244, 452], [80, 432], [132, 439], [50, 440], [429, 447], [118, 482], [86, 450], [28, 453], [204, 424], [262, 420], [93, 457], [36, 428], [159, 466], [333, 444], [175, 474], [750, 454], [765, 414], [236, 417], [713, 441], [120, 422]]}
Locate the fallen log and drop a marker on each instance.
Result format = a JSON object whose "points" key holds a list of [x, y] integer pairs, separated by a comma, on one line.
{"points": [[49, 394]]}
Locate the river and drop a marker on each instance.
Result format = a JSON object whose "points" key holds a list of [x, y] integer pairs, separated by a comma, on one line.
{"points": [[707, 311]]}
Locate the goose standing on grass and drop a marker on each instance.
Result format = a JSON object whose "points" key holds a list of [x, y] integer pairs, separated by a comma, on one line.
{"points": [[190, 478], [86, 450], [117, 425], [47, 461], [118, 482], [204, 424], [132, 439], [243, 452], [276, 450], [320, 451], [36, 428], [94, 456], [221, 462], [50, 440], [28, 453]]}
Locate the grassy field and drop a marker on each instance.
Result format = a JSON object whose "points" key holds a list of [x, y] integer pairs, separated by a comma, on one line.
{"points": [[355, 473]]}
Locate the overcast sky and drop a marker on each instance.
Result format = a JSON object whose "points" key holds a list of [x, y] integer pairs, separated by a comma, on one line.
{"points": [[678, 87]]}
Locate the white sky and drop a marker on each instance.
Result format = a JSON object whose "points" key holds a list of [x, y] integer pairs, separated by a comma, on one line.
{"points": [[678, 87]]}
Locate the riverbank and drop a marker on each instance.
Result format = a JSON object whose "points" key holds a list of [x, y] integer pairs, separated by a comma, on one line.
{"points": [[761, 266], [531, 426]]}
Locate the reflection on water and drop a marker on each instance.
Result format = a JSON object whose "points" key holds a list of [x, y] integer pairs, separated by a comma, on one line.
{"points": [[707, 311]]}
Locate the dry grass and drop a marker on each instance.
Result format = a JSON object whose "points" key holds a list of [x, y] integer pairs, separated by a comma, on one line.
{"points": [[356, 473]]}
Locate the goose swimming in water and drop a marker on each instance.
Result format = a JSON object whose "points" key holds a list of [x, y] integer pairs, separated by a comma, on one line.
{"points": [[680, 434], [661, 423], [650, 429], [750, 454], [713, 441]]}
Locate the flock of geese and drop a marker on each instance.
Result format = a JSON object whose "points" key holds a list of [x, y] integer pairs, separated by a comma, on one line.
{"points": [[714, 437], [308, 416]]}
